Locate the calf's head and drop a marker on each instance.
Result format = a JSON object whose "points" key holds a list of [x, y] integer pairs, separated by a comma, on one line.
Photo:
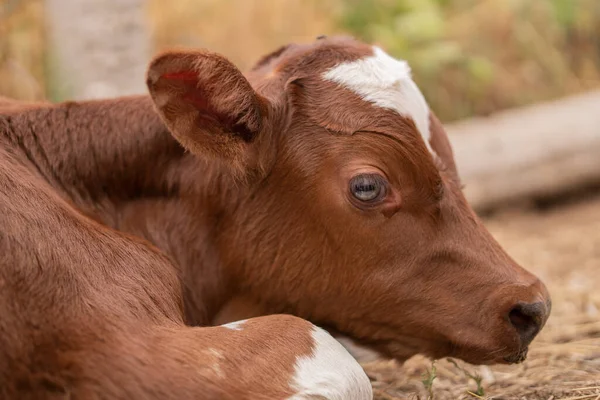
{"points": [[350, 213]]}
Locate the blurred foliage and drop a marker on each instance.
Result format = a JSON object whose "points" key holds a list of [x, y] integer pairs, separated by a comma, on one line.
{"points": [[477, 56], [470, 57]]}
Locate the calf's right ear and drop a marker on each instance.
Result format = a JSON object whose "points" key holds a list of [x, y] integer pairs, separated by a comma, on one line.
{"points": [[208, 105]]}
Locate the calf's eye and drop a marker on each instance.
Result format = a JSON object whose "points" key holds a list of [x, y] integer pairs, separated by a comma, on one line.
{"points": [[368, 188]]}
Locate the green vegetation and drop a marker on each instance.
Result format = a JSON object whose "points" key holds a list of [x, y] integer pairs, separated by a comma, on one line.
{"points": [[479, 391], [428, 378], [478, 56]]}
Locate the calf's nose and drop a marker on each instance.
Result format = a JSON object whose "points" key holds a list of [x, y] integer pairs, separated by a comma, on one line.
{"points": [[528, 319]]}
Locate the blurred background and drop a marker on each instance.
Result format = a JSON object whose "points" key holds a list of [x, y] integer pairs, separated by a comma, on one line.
{"points": [[470, 57], [517, 83]]}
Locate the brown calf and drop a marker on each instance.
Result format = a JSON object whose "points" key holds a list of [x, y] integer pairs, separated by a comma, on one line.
{"points": [[319, 185]]}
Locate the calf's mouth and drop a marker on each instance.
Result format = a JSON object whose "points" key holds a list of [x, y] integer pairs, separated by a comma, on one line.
{"points": [[367, 350]]}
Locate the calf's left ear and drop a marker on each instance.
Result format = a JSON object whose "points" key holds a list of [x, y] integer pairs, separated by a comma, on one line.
{"points": [[208, 105]]}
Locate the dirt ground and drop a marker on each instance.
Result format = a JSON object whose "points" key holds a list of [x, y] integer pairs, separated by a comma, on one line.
{"points": [[562, 246]]}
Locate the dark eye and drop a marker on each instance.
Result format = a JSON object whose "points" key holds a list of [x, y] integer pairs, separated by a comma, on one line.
{"points": [[368, 188]]}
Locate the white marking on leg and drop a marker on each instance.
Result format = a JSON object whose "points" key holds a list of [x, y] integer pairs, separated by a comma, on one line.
{"points": [[236, 326], [216, 365], [387, 83], [329, 372]]}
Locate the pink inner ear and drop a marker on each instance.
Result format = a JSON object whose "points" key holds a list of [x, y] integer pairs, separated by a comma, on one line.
{"points": [[196, 96], [193, 95], [199, 102], [182, 76]]}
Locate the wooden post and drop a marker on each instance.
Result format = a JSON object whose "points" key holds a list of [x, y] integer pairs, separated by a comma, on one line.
{"points": [[98, 48]]}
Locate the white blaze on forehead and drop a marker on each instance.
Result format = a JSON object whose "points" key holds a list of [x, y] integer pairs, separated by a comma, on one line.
{"points": [[385, 82], [236, 326], [329, 372]]}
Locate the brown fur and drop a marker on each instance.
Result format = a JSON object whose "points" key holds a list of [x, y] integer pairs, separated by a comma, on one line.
{"points": [[90, 312], [105, 214]]}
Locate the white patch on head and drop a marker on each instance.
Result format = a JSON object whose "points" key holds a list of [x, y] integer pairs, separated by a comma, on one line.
{"points": [[385, 82], [236, 326], [329, 372]]}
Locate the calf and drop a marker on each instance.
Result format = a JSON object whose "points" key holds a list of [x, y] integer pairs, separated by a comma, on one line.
{"points": [[320, 184], [349, 212]]}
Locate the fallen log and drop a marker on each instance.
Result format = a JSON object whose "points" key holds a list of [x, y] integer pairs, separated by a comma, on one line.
{"points": [[535, 151]]}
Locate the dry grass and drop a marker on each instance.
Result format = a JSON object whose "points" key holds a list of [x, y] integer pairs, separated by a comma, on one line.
{"points": [[22, 47], [243, 30], [563, 247]]}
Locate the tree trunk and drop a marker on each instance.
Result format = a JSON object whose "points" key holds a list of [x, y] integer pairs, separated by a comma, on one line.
{"points": [[98, 48]]}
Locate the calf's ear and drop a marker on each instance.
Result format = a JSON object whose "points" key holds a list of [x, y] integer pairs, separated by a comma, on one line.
{"points": [[208, 105]]}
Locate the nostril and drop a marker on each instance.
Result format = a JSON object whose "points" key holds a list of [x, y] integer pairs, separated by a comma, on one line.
{"points": [[519, 320], [527, 320]]}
